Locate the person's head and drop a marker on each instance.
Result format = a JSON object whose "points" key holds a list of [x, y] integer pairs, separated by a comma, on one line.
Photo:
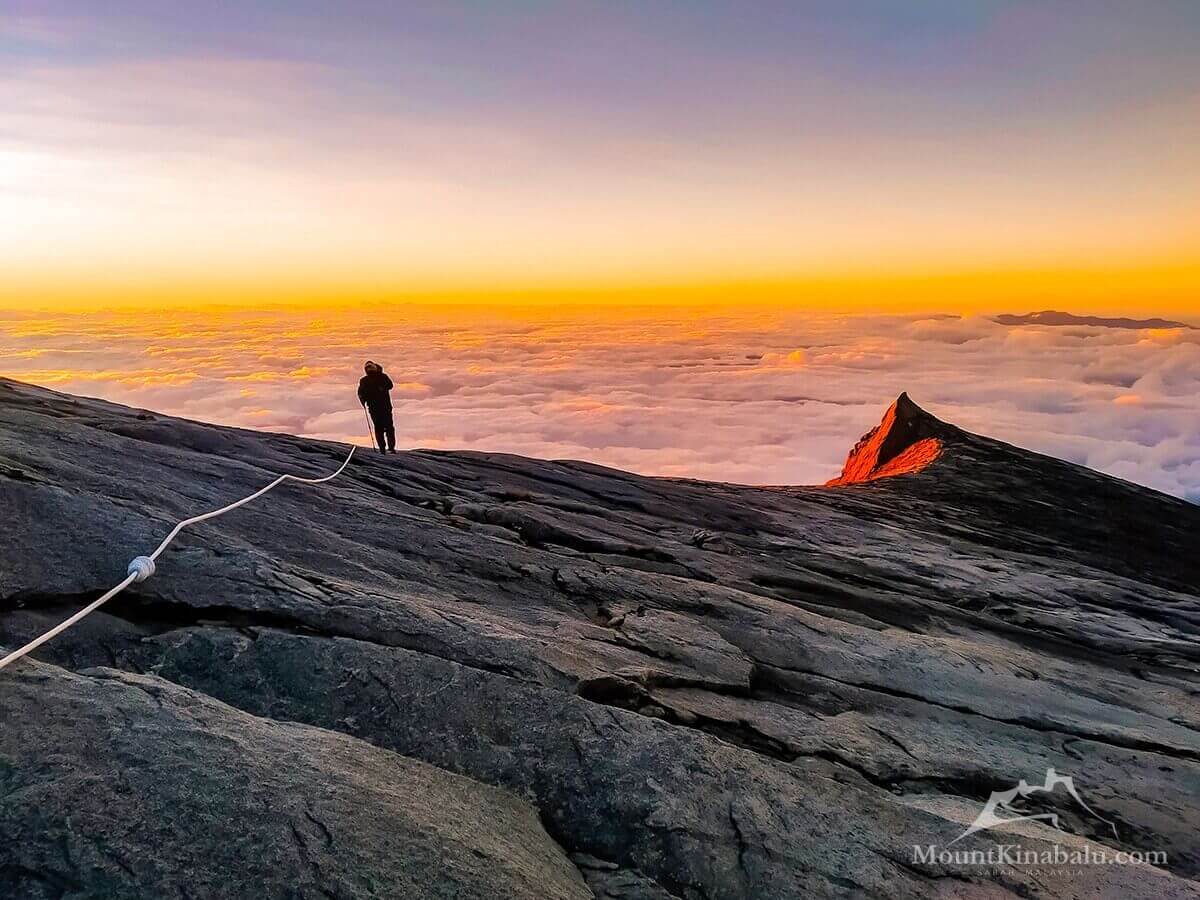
{"points": [[370, 367]]}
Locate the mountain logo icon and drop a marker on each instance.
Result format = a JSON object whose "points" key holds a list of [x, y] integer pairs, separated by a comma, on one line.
{"points": [[1003, 802]]}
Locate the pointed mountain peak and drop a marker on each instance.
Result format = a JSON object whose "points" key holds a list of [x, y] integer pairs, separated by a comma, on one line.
{"points": [[906, 440]]}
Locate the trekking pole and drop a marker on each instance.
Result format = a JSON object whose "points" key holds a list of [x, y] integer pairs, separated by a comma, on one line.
{"points": [[370, 429]]}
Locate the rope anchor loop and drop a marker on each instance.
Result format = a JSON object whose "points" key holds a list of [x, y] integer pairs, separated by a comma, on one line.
{"points": [[141, 568]]}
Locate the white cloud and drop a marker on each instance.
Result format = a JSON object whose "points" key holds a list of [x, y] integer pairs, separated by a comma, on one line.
{"points": [[758, 397]]}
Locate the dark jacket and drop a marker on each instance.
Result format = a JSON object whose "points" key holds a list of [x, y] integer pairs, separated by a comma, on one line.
{"points": [[373, 391]]}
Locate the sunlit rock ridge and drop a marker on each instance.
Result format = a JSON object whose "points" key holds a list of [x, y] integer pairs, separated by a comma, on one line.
{"points": [[906, 441], [451, 674]]}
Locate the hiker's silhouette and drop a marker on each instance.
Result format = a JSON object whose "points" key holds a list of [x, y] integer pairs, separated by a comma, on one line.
{"points": [[374, 392]]}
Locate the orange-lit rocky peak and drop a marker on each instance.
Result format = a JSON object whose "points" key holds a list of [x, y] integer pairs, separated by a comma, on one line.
{"points": [[907, 440]]}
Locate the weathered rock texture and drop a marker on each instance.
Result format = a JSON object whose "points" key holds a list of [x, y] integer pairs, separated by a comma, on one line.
{"points": [[125, 785], [634, 687]]}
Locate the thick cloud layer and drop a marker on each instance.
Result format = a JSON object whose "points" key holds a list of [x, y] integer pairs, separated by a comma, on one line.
{"points": [[750, 396]]}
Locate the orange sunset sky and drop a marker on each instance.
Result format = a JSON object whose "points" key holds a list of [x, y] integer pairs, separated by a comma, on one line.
{"points": [[884, 155]]}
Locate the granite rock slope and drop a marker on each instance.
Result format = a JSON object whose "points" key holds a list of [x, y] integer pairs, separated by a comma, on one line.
{"points": [[679, 689], [125, 785]]}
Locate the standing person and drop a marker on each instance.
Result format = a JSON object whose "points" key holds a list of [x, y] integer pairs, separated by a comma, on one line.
{"points": [[374, 391]]}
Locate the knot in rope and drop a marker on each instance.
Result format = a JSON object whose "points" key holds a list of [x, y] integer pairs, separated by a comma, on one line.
{"points": [[141, 568]]}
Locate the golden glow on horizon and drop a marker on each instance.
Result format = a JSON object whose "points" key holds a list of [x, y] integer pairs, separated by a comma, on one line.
{"points": [[1169, 287]]}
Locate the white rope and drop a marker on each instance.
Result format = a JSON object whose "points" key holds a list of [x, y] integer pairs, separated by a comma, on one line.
{"points": [[142, 567]]}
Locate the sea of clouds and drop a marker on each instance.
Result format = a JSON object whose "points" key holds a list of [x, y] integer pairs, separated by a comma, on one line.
{"points": [[762, 397]]}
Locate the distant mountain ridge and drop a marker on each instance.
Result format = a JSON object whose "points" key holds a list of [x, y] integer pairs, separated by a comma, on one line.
{"points": [[1055, 317]]}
